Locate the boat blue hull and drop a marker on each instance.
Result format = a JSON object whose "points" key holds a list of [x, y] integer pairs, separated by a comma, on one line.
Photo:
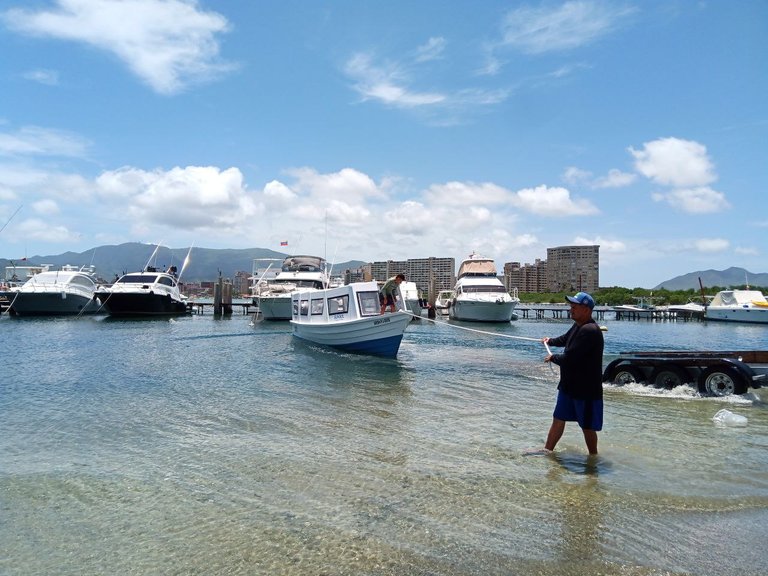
{"points": [[383, 347]]}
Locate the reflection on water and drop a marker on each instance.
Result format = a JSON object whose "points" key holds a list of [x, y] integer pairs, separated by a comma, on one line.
{"points": [[199, 446]]}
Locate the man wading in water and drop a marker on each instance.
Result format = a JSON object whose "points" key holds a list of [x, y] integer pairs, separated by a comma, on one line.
{"points": [[580, 391]]}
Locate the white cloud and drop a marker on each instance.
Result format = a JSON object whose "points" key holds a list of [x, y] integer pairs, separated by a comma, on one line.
{"points": [[615, 179], [386, 84], [466, 194], [196, 198], [47, 77], [565, 27], [36, 141], [712, 245], [166, 43], [747, 250], [552, 202], [610, 246], [432, 50], [44, 231], [675, 162], [702, 200], [46, 207], [576, 176]]}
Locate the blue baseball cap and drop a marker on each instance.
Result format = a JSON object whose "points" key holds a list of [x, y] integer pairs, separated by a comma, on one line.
{"points": [[582, 298]]}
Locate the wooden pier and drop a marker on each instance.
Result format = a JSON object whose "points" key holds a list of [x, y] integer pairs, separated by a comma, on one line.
{"points": [[540, 311], [195, 307]]}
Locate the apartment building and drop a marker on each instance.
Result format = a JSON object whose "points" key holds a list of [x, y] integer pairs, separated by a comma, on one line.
{"points": [[422, 271], [566, 269], [573, 268], [526, 277]]}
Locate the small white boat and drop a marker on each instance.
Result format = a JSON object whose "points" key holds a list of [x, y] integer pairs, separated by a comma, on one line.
{"points": [[479, 294], [738, 306], [643, 309], [66, 292], [443, 301], [348, 318], [298, 273], [409, 296]]}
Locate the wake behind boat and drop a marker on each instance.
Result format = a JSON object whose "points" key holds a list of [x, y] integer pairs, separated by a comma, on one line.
{"points": [[479, 294], [348, 318], [66, 292]]}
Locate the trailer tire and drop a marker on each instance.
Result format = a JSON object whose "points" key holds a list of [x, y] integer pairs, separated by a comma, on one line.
{"points": [[625, 374], [670, 376], [721, 381]]}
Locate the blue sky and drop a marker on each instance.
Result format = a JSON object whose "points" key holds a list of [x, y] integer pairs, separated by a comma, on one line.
{"points": [[390, 130]]}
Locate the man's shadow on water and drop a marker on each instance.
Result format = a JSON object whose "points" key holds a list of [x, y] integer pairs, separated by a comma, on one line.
{"points": [[583, 464]]}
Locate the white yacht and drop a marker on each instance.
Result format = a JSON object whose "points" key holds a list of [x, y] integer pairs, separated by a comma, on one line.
{"points": [[297, 273], [149, 292], [738, 306], [479, 294], [66, 292]]}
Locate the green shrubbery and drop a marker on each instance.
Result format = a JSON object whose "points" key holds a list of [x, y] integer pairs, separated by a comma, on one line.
{"points": [[616, 295]]}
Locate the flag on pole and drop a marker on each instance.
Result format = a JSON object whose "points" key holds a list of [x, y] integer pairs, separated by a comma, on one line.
{"points": [[284, 243]]}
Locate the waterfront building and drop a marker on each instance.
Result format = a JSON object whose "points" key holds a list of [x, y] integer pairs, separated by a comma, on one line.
{"points": [[573, 268], [441, 272], [526, 277]]}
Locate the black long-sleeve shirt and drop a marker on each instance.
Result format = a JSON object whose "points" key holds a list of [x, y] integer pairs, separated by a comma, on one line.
{"points": [[581, 363]]}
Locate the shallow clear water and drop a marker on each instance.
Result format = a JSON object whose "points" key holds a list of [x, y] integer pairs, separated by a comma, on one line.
{"points": [[209, 446]]}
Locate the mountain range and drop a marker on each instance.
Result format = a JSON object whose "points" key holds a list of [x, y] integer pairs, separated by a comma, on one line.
{"points": [[724, 278], [206, 264]]}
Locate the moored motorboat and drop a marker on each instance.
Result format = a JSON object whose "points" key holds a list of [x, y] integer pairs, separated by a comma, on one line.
{"points": [[348, 318], [409, 296], [479, 294], [748, 306], [443, 301], [66, 292], [146, 293], [298, 273]]}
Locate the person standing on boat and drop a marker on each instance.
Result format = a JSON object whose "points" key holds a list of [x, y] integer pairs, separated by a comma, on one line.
{"points": [[580, 390], [388, 292]]}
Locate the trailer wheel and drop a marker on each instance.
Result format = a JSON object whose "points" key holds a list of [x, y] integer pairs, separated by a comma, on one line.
{"points": [[625, 374], [721, 381], [670, 376]]}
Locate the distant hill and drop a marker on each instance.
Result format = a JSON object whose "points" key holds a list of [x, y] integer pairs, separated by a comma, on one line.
{"points": [[205, 263], [725, 278]]}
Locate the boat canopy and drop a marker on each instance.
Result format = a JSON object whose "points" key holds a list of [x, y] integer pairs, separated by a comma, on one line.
{"points": [[737, 297], [303, 264], [477, 267]]}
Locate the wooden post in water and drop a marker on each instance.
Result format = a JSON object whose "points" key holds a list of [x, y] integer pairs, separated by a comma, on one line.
{"points": [[217, 297], [226, 298]]}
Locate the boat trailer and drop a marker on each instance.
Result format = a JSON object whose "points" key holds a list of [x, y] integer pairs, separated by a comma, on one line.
{"points": [[714, 373]]}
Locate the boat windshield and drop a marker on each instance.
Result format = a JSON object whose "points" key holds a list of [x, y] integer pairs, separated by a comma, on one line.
{"points": [[492, 289], [369, 303], [146, 279]]}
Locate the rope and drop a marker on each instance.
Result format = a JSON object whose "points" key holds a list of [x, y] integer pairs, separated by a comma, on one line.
{"points": [[475, 330], [486, 333]]}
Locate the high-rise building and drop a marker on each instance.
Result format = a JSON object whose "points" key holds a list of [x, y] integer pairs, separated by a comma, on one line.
{"points": [[573, 268], [526, 277], [437, 273]]}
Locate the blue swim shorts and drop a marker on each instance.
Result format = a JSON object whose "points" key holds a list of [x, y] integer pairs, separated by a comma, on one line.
{"points": [[588, 413]]}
